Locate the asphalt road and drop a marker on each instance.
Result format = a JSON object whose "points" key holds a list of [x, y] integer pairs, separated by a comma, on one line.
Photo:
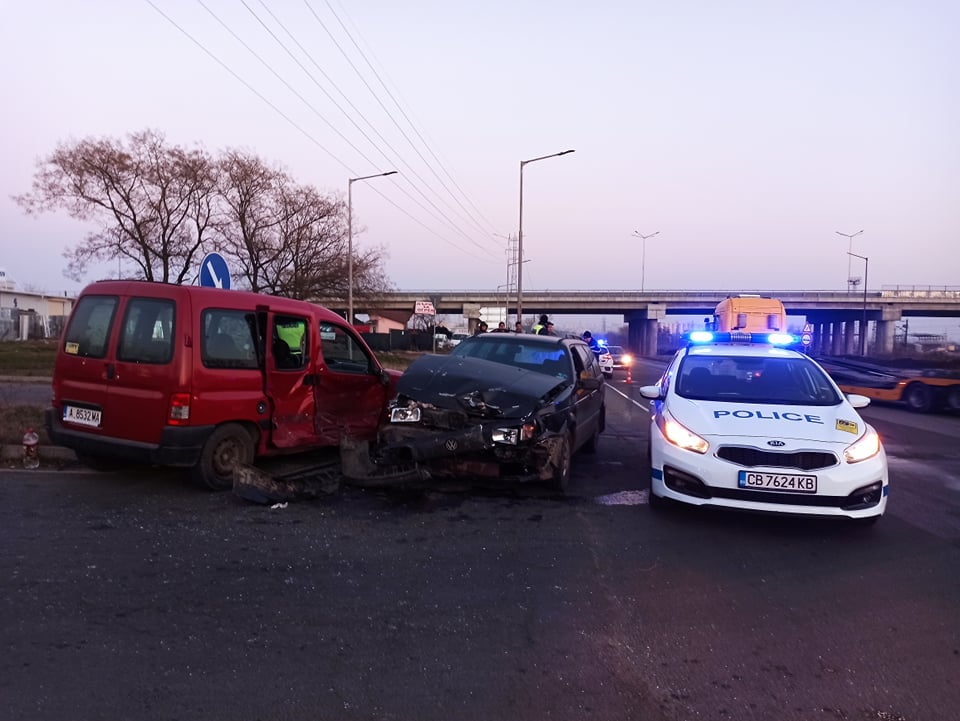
{"points": [[135, 595]]}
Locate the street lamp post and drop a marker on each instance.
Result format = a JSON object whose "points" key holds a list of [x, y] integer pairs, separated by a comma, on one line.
{"points": [[863, 323], [350, 182], [520, 234], [850, 237], [643, 255]]}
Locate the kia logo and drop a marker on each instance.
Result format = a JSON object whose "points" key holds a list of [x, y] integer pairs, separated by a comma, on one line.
{"points": [[776, 444], [450, 444]]}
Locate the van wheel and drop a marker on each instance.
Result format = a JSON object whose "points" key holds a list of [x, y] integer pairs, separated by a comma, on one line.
{"points": [[919, 397], [229, 446]]}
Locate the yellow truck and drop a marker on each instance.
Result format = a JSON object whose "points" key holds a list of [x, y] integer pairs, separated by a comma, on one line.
{"points": [[922, 391], [749, 314]]}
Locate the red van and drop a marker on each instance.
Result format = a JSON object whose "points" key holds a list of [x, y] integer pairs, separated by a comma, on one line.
{"points": [[188, 376]]}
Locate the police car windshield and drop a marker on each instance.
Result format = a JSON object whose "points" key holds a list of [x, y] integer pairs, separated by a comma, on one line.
{"points": [[740, 379]]}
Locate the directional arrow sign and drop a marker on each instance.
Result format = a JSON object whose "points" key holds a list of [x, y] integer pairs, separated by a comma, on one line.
{"points": [[214, 272]]}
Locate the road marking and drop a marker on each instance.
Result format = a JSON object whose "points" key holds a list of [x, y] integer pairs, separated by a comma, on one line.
{"points": [[638, 405]]}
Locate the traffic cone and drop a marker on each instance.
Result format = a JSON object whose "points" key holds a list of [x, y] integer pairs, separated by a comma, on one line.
{"points": [[629, 376]]}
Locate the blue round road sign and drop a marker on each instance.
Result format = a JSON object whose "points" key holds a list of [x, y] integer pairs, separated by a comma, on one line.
{"points": [[214, 272]]}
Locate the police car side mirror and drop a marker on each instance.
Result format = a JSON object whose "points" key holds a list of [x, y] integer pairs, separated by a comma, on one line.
{"points": [[651, 392], [858, 401]]}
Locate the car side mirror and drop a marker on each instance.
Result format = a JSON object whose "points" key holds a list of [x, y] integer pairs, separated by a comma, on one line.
{"points": [[651, 392], [858, 401]]}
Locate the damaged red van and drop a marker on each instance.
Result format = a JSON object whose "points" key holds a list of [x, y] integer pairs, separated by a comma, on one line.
{"points": [[206, 378]]}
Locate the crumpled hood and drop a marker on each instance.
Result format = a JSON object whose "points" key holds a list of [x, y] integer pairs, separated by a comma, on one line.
{"points": [[825, 424], [443, 380]]}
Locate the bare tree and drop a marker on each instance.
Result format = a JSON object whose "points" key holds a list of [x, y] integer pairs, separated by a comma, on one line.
{"points": [[289, 239], [248, 231], [154, 203], [159, 205]]}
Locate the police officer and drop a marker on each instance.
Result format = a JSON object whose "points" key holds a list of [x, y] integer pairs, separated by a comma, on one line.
{"points": [[541, 324], [591, 341]]}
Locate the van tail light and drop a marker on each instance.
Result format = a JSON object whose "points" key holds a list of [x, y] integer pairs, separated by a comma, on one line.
{"points": [[179, 409]]}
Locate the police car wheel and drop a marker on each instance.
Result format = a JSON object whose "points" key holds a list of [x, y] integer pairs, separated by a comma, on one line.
{"points": [[656, 503], [229, 446]]}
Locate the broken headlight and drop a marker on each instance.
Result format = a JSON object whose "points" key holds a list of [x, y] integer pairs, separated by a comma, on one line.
{"points": [[512, 436], [405, 414]]}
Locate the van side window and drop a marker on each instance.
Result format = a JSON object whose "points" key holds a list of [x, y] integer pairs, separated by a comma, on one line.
{"points": [[147, 335], [341, 351], [289, 342], [227, 340], [90, 325]]}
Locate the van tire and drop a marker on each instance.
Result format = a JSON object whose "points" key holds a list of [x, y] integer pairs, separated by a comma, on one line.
{"points": [[228, 447]]}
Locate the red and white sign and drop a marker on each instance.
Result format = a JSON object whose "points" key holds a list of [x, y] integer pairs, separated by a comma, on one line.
{"points": [[424, 307]]}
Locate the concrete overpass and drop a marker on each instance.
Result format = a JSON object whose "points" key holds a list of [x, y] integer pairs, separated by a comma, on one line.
{"points": [[835, 315]]}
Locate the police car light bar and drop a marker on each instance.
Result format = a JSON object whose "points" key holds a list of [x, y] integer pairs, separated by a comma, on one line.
{"points": [[700, 337]]}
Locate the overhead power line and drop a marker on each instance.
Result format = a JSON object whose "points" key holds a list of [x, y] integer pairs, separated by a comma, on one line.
{"points": [[304, 132]]}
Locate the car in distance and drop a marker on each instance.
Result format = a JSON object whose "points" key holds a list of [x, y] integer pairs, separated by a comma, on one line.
{"points": [[501, 406], [741, 422], [621, 358], [605, 358]]}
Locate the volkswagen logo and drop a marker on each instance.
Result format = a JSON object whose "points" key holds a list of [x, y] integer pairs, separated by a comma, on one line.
{"points": [[450, 444], [776, 444]]}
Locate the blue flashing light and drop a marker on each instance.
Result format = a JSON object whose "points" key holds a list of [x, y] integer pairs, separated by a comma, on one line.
{"points": [[781, 339], [700, 337]]}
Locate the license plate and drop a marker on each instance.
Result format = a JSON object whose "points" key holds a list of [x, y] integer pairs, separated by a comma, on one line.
{"points": [[81, 416], [789, 482]]}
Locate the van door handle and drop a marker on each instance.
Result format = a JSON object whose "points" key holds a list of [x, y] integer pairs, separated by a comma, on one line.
{"points": [[110, 372]]}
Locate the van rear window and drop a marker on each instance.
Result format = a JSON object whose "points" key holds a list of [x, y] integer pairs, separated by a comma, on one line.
{"points": [[89, 328]]}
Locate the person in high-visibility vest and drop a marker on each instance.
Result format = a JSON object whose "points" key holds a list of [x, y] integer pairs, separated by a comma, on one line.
{"points": [[540, 324]]}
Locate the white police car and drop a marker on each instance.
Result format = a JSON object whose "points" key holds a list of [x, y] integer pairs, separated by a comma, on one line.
{"points": [[741, 422]]}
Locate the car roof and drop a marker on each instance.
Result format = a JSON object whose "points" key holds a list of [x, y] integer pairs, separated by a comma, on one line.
{"points": [[489, 337]]}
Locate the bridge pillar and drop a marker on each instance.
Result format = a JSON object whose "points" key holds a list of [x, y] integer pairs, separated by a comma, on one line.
{"points": [[651, 331], [821, 339], [836, 338], [885, 331], [849, 336]]}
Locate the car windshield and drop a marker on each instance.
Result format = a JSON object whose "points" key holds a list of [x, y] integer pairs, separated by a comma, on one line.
{"points": [[541, 356], [615, 350], [791, 381]]}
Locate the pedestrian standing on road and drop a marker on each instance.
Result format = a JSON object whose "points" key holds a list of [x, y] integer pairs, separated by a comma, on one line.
{"points": [[481, 328], [501, 328], [518, 327], [547, 329]]}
